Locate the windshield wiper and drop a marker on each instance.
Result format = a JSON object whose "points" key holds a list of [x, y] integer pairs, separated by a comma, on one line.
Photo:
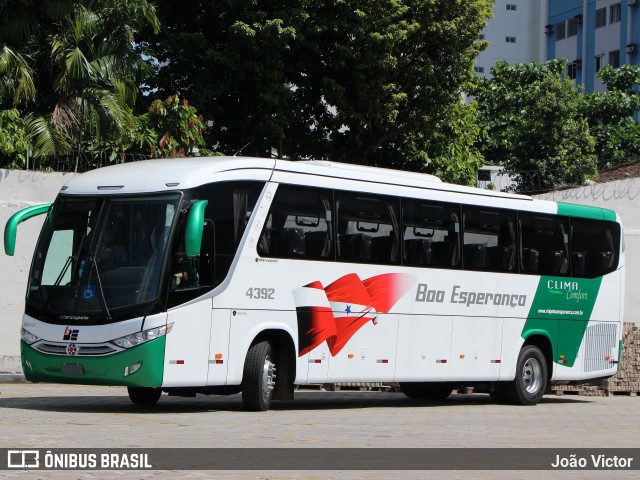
{"points": [[103, 298], [65, 267]]}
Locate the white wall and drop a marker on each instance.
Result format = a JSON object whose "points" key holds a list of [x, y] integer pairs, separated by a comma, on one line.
{"points": [[20, 189], [623, 196]]}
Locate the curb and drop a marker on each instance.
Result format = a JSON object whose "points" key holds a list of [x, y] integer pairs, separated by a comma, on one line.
{"points": [[12, 378]]}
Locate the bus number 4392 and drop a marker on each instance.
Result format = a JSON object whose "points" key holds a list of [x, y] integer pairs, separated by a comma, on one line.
{"points": [[261, 293]]}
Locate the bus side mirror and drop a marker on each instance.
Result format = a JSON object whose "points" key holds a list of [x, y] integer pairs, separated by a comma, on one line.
{"points": [[11, 228], [194, 228]]}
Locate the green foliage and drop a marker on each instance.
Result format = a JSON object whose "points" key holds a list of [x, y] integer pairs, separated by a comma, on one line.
{"points": [[610, 114], [13, 139], [342, 79], [532, 116], [447, 150], [171, 128], [84, 64]]}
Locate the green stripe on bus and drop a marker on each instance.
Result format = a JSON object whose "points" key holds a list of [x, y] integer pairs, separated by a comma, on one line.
{"points": [[584, 211], [103, 370], [560, 311]]}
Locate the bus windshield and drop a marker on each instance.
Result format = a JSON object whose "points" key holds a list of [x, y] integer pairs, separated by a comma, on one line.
{"points": [[99, 254]]}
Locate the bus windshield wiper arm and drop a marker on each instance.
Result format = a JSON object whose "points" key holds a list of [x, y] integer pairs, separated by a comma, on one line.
{"points": [[102, 296], [65, 267]]}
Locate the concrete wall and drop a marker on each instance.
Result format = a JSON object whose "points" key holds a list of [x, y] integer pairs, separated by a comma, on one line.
{"points": [[623, 196], [20, 189]]}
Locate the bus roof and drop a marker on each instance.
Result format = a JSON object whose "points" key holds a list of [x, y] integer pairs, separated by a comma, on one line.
{"points": [[179, 173], [164, 175]]}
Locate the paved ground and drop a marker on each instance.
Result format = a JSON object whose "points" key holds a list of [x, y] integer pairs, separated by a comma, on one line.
{"points": [[56, 416]]}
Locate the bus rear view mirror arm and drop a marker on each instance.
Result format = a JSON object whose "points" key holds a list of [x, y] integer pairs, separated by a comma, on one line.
{"points": [[11, 228], [194, 228]]}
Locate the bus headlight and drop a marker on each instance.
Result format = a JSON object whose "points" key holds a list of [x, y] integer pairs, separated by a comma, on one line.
{"points": [[28, 338], [142, 337]]}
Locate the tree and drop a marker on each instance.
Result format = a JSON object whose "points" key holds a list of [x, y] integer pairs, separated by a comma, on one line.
{"points": [[611, 114], [531, 113], [170, 128], [86, 65], [339, 78]]}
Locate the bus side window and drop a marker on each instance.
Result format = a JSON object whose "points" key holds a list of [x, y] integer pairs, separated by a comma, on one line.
{"points": [[368, 228], [594, 247], [299, 225], [544, 242], [489, 239], [431, 234]]}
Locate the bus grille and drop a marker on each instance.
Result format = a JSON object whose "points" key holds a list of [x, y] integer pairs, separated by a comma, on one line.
{"points": [[600, 340], [83, 350]]}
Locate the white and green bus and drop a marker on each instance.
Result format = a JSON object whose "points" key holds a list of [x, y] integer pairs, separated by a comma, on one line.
{"points": [[227, 274]]}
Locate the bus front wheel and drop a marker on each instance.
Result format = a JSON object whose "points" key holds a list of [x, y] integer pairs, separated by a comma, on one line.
{"points": [[259, 377], [531, 377], [144, 395]]}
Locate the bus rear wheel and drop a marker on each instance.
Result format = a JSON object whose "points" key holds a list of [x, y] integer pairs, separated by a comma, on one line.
{"points": [[259, 377], [146, 396], [531, 378], [426, 391]]}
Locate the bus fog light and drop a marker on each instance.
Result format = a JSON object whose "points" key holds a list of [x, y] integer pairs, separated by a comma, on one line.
{"points": [[131, 369]]}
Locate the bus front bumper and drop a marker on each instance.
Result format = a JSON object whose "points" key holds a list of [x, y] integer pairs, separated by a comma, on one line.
{"points": [[99, 370]]}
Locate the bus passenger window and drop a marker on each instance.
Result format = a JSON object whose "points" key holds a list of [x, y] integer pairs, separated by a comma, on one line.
{"points": [[431, 234], [368, 228], [544, 241], [594, 247], [489, 239], [299, 225]]}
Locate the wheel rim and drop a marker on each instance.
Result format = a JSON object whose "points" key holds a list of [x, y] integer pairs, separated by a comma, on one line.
{"points": [[532, 376], [268, 377]]}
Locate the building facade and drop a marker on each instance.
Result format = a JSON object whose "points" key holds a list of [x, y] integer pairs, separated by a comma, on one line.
{"points": [[591, 34], [515, 34]]}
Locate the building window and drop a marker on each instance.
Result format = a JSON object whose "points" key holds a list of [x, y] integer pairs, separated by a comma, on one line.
{"points": [[599, 62], [615, 13], [614, 58], [511, 40], [479, 69], [512, 7], [561, 30], [601, 17], [572, 70], [573, 27], [481, 36]]}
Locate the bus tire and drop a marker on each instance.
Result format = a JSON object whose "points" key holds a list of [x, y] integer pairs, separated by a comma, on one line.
{"points": [[259, 376], [145, 396], [531, 377], [436, 392]]}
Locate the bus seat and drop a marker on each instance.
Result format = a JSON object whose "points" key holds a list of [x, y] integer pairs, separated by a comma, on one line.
{"points": [[500, 258], [418, 251], [475, 255], [558, 261], [442, 254], [606, 260], [531, 260], [291, 242], [382, 249], [579, 263], [315, 243], [355, 246]]}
